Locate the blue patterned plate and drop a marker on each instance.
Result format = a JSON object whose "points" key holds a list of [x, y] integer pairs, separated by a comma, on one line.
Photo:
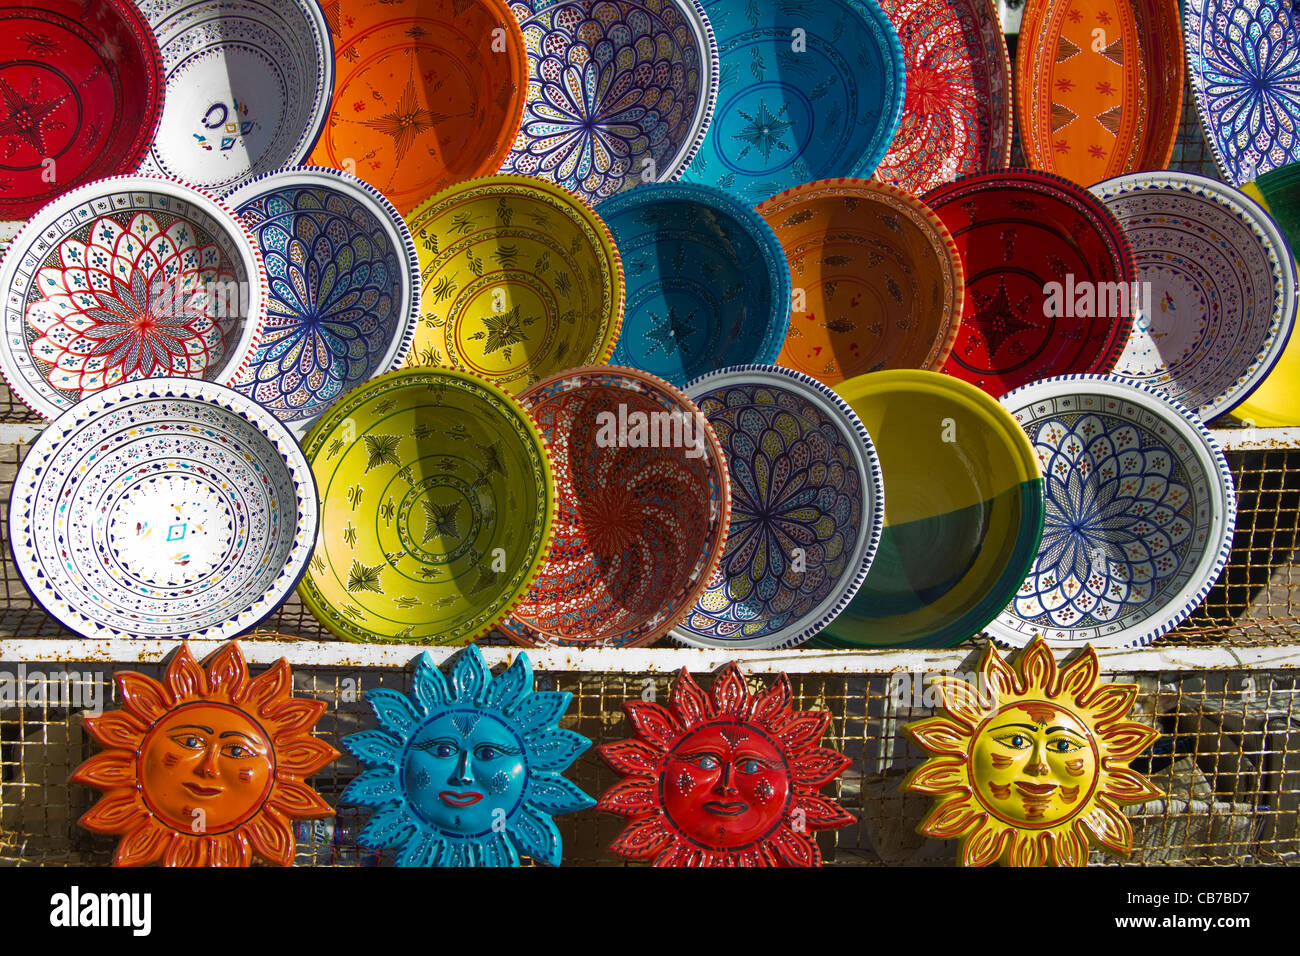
{"points": [[807, 508], [708, 284], [1140, 514], [620, 92], [344, 289], [807, 89]]}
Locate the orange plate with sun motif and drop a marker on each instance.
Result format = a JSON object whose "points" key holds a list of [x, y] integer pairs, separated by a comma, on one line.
{"points": [[427, 93], [1099, 86]]}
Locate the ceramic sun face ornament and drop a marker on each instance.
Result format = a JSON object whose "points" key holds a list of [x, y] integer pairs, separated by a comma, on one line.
{"points": [[207, 768], [1033, 764], [724, 778], [467, 771]]}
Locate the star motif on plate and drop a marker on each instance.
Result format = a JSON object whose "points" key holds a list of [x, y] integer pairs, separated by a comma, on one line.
{"points": [[440, 520], [26, 117], [504, 330], [407, 120], [668, 332], [764, 131], [997, 319]]}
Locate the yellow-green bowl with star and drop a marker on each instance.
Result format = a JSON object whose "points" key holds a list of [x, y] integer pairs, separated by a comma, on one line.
{"points": [[437, 506], [520, 280]]}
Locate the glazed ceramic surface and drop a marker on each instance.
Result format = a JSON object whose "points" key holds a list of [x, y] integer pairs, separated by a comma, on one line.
{"points": [[642, 519], [1219, 288], [81, 92], [466, 770], [807, 89], [344, 289], [437, 501], [1030, 764], [208, 767], [1030, 243], [520, 279], [128, 278], [963, 512], [163, 508], [1243, 57], [1100, 85], [807, 507], [620, 92], [879, 279], [429, 93], [957, 116], [1140, 514], [248, 87], [707, 281], [724, 778]]}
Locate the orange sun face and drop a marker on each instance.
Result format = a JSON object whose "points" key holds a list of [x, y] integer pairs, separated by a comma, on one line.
{"points": [[1032, 765], [206, 768]]}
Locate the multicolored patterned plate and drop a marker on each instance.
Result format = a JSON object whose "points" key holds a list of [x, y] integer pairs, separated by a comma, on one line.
{"points": [[344, 289], [1140, 514], [644, 507], [126, 278], [429, 93], [437, 502], [807, 507], [1099, 85], [620, 92], [1218, 288], [807, 89], [163, 508], [248, 87], [957, 116], [877, 279], [1039, 255], [963, 512], [520, 280], [81, 92], [1244, 60], [708, 284]]}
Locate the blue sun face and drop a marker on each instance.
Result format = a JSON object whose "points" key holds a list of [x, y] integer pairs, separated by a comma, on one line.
{"points": [[466, 772]]}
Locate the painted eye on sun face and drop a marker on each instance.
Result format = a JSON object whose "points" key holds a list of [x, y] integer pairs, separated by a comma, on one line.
{"points": [[238, 751], [189, 741], [1013, 741], [1063, 745], [488, 752], [707, 762], [749, 765]]}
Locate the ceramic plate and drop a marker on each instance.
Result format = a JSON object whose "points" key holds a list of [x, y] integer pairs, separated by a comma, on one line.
{"points": [[1243, 57], [81, 92], [963, 512], [1099, 85], [1030, 244], [644, 505], [1218, 288], [876, 273], [520, 279], [344, 289], [248, 87], [437, 501], [164, 508], [620, 92], [126, 278], [957, 115], [807, 89], [707, 281], [1140, 514], [807, 506], [429, 93]]}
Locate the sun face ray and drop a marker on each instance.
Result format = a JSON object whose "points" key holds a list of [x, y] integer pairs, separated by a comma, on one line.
{"points": [[724, 778], [467, 771], [1031, 765], [208, 767]]}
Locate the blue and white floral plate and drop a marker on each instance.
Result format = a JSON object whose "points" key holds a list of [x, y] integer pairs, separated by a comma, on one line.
{"points": [[344, 287], [1140, 514]]}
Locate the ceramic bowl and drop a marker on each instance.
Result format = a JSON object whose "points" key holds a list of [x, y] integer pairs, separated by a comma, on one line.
{"points": [[126, 278], [644, 505], [163, 508], [620, 92], [248, 87], [707, 281], [344, 287], [81, 87]]}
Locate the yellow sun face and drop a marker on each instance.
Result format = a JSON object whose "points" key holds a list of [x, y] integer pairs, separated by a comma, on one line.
{"points": [[1032, 765]]}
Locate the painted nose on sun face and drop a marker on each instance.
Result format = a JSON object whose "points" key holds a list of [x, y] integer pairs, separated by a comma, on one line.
{"points": [[1037, 765], [461, 773], [725, 785], [208, 765]]}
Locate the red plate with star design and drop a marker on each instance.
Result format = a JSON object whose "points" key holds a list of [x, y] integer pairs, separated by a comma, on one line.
{"points": [[1050, 279]]}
